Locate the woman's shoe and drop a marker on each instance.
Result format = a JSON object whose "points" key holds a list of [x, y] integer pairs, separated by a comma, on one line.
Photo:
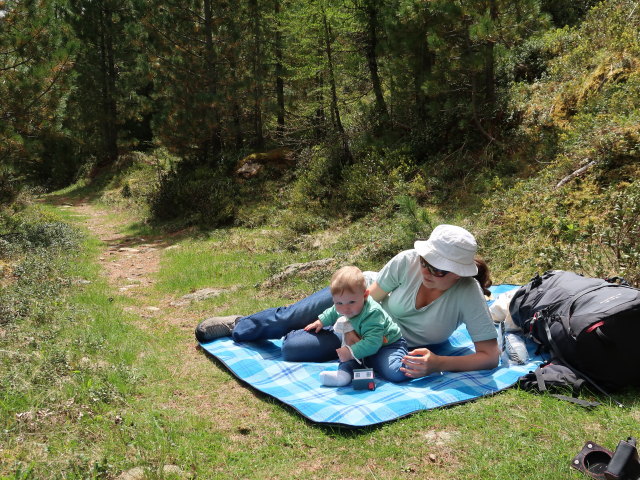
{"points": [[216, 327]]}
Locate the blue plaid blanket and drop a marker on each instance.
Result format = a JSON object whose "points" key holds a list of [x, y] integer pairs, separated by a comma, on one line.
{"points": [[298, 385]]}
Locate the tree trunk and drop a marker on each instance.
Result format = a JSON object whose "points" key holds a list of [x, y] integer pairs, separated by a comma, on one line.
{"points": [[334, 95], [279, 73], [372, 62], [235, 108], [489, 79], [320, 117], [213, 148], [108, 73], [423, 61], [257, 75]]}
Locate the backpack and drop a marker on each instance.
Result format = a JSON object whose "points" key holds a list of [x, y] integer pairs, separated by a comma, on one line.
{"points": [[589, 325]]}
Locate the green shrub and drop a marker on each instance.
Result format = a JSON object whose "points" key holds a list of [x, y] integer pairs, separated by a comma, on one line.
{"points": [[527, 62], [9, 188], [567, 12], [194, 195], [613, 248], [317, 178], [60, 159], [133, 179], [373, 180], [25, 236], [51, 235], [375, 177], [415, 220], [374, 239]]}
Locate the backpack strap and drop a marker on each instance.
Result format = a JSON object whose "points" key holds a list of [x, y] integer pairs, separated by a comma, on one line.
{"points": [[549, 375], [577, 401], [618, 280], [558, 354], [595, 328]]}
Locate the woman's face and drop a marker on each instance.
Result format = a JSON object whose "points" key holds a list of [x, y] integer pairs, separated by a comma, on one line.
{"points": [[443, 283]]}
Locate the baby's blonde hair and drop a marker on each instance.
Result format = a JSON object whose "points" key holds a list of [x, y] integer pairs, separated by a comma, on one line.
{"points": [[350, 279]]}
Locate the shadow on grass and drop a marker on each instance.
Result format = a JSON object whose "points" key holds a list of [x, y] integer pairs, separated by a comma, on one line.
{"points": [[346, 431], [630, 398], [329, 429]]}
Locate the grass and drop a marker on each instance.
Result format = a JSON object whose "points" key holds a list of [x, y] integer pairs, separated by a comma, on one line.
{"points": [[90, 390], [235, 269]]}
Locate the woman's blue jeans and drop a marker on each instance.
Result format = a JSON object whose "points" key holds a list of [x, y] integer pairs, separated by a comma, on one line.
{"points": [[301, 346]]}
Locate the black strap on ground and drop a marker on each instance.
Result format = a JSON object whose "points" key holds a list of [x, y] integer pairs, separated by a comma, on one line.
{"points": [[577, 401]]}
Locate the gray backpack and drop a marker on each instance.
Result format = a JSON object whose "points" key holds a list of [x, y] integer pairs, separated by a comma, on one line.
{"points": [[588, 325]]}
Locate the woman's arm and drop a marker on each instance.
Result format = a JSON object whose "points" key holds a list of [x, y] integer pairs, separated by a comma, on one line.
{"points": [[377, 293], [422, 361]]}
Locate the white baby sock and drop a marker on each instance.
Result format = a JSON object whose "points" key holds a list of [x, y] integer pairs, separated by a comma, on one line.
{"points": [[335, 378]]}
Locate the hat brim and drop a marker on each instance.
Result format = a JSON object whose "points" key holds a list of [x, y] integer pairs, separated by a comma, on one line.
{"points": [[426, 251]]}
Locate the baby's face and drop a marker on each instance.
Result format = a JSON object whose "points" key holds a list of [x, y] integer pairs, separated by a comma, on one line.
{"points": [[348, 303]]}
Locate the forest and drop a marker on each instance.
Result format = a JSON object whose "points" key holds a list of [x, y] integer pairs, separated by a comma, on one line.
{"points": [[351, 108]]}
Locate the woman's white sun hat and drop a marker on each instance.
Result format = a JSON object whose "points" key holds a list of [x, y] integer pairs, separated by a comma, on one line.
{"points": [[450, 248]]}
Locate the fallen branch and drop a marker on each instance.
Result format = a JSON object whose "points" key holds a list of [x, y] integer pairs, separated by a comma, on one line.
{"points": [[295, 268], [575, 174]]}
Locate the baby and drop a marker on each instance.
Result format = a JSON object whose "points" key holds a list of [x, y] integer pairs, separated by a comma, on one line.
{"points": [[367, 318]]}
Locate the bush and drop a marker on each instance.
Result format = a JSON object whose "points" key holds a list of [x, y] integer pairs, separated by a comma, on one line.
{"points": [[317, 178], [375, 179], [36, 282], [194, 195], [25, 236], [59, 162], [527, 62], [567, 12], [614, 249], [9, 189], [50, 235], [132, 180]]}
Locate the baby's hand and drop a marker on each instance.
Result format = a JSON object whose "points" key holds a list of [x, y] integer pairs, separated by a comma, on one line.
{"points": [[351, 337], [316, 326], [344, 354]]}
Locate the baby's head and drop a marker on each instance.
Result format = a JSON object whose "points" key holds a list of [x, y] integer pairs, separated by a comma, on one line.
{"points": [[349, 291]]}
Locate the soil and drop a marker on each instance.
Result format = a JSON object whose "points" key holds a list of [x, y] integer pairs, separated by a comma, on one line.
{"points": [[130, 264]]}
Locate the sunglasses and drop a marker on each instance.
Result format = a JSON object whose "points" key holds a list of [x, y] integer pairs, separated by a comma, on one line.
{"points": [[436, 272]]}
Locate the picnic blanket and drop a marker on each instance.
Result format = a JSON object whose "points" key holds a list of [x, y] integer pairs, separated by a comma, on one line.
{"points": [[297, 384]]}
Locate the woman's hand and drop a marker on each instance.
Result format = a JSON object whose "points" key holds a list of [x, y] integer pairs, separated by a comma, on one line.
{"points": [[315, 326], [420, 363], [351, 337]]}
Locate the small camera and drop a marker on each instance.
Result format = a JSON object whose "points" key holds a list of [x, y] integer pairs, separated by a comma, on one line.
{"points": [[363, 379]]}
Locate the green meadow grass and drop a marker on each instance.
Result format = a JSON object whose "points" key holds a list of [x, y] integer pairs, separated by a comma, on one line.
{"points": [[90, 390], [236, 261]]}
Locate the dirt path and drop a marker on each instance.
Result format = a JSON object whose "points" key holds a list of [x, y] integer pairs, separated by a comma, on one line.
{"points": [[130, 264], [193, 384]]}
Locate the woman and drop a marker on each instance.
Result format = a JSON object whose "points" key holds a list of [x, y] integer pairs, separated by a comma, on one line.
{"points": [[429, 291]]}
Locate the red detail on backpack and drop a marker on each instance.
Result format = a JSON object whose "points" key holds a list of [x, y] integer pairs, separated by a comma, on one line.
{"points": [[595, 325]]}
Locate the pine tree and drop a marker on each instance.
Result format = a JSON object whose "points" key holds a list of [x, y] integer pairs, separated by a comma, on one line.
{"points": [[35, 59], [110, 76]]}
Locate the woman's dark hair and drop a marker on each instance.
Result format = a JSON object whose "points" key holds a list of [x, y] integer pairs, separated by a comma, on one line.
{"points": [[483, 277]]}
